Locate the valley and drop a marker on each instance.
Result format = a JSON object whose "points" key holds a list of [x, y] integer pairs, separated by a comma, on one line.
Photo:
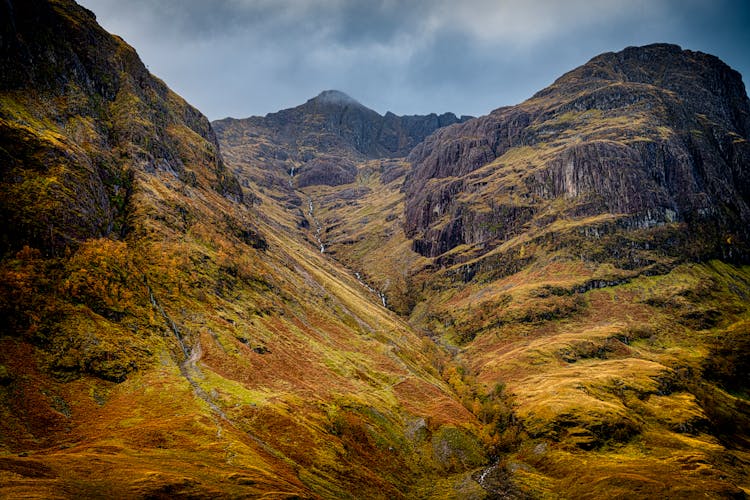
{"points": [[549, 301]]}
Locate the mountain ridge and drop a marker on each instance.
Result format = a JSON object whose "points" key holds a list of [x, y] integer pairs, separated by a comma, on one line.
{"points": [[689, 108], [566, 248], [334, 124], [304, 311]]}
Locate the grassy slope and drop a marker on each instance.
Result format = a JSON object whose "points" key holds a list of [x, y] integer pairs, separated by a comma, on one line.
{"points": [[620, 381], [191, 344], [611, 371]]}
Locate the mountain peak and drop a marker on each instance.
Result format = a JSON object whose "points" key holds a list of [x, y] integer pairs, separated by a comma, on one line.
{"points": [[696, 97], [660, 64], [335, 97], [335, 124]]}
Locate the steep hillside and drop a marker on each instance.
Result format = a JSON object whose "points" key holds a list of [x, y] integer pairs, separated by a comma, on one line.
{"points": [[570, 277], [164, 337], [653, 137], [81, 119], [585, 254]]}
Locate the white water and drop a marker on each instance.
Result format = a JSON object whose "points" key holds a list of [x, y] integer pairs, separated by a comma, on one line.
{"points": [[483, 475], [370, 289], [318, 227], [188, 367]]}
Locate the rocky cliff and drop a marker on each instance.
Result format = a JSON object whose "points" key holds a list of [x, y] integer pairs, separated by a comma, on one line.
{"points": [[654, 136], [583, 253], [318, 141], [80, 119]]}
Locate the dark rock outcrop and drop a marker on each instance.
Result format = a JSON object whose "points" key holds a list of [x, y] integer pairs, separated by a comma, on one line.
{"points": [[327, 171], [80, 118], [320, 139], [655, 135]]}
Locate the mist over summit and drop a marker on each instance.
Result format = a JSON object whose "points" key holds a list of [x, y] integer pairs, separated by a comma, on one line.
{"points": [[335, 97]]}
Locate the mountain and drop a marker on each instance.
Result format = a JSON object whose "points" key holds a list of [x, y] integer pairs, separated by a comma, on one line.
{"points": [[548, 301], [652, 137], [584, 253], [333, 122], [82, 118], [318, 142], [589, 248], [161, 335]]}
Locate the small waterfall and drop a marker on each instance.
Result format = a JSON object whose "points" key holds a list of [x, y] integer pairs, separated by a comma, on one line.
{"points": [[318, 227], [370, 289]]}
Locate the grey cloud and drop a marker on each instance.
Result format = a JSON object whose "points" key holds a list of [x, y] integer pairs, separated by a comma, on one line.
{"points": [[354, 21], [243, 57]]}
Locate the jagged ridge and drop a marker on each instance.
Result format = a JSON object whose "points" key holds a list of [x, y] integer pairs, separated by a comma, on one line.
{"points": [[654, 135], [317, 142]]}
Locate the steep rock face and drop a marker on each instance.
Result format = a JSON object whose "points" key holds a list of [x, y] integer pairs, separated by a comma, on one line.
{"points": [[80, 118], [653, 135], [318, 139], [97, 160], [329, 171]]}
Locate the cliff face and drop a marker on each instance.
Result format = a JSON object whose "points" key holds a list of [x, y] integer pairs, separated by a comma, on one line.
{"points": [[80, 119], [655, 136], [98, 160], [320, 139]]}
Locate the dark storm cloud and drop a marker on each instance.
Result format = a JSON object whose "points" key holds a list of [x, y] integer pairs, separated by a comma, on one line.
{"points": [[243, 57], [343, 22], [189, 19], [359, 22]]}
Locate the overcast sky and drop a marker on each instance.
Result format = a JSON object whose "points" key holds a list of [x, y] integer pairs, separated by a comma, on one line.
{"points": [[251, 57]]}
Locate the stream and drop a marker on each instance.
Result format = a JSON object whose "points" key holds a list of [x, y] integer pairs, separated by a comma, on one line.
{"points": [[370, 289], [188, 367], [318, 226], [322, 247]]}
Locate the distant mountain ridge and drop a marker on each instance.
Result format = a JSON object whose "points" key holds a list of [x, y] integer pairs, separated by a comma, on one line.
{"points": [[320, 139], [548, 301], [333, 120]]}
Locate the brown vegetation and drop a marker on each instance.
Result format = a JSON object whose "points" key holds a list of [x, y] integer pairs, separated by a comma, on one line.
{"points": [[172, 329]]}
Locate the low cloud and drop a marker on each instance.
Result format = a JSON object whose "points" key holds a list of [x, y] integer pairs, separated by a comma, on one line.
{"points": [[244, 57]]}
